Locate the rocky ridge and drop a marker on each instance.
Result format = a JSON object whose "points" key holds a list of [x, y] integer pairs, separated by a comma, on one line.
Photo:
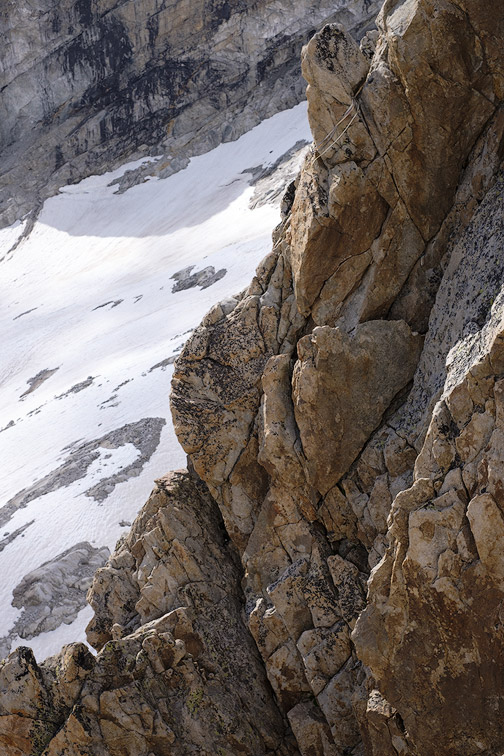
{"points": [[86, 83], [345, 414]]}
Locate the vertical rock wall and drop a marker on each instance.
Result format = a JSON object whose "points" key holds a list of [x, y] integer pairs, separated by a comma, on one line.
{"points": [[309, 379]]}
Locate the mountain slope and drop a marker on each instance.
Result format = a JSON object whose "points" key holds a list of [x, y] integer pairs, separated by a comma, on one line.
{"points": [[86, 83], [95, 308], [345, 414]]}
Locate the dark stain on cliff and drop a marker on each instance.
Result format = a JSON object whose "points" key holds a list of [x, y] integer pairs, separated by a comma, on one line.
{"points": [[102, 50], [56, 23], [58, 157], [119, 87], [84, 12], [153, 29], [219, 11]]}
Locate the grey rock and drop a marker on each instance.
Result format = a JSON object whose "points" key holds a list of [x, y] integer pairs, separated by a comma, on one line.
{"points": [[144, 434], [10, 537], [113, 303], [270, 181], [163, 364], [467, 309], [184, 279], [77, 387], [84, 85], [38, 380], [26, 312], [55, 592]]}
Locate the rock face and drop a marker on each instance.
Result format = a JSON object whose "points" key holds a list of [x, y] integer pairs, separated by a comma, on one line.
{"points": [[187, 678], [86, 83], [341, 389], [435, 600], [346, 414], [319, 420]]}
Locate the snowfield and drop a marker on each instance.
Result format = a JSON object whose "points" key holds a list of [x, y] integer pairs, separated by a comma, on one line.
{"points": [[90, 329]]}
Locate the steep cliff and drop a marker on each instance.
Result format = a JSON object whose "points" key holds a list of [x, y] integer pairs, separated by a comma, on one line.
{"points": [[309, 380], [345, 413], [86, 83]]}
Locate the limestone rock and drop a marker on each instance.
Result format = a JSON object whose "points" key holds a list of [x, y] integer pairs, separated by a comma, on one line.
{"points": [[444, 561], [395, 201], [335, 70], [219, 370], [343, 386], [443, 72], [337, 218], [346, 577], [311, 729]]}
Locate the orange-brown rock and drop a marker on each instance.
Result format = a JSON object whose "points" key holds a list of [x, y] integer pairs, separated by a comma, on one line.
{"points": [[407, 144], [341, 389], [435, 600]]}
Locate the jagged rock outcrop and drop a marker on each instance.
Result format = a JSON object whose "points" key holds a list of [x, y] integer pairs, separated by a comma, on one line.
{"points": [[86, 83], [435, 601], [187, 678], [406, 147], [345, 412]]}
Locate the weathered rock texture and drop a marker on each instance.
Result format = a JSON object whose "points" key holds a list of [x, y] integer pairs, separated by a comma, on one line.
{"points": [[346, 413], [187, 677], [54, 593], [304, 404], [86, 83]]}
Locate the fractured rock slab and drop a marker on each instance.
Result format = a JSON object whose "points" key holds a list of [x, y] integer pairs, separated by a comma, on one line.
{"points": [[342, 386]]}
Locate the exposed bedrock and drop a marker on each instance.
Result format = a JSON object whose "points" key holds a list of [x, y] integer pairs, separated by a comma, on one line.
{"points": [[186, 678], [345, 412], [86, 83], [54, 593], [304, 403], [433, 627], [341, 389]]}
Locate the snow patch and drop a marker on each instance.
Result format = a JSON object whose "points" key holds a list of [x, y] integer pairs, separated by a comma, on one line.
{"points": [[89, 289]]}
